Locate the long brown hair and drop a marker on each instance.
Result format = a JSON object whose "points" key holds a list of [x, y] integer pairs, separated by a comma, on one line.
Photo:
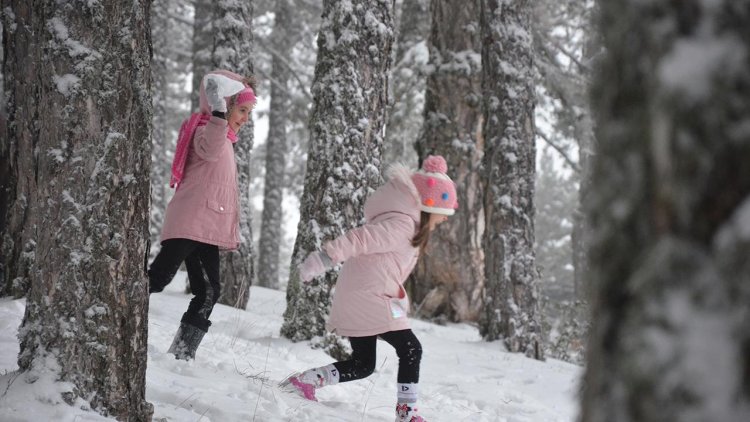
{"points": [[422, 236]]}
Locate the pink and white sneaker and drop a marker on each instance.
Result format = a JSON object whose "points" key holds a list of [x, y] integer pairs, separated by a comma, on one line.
{"points": [[406, 413], [296, 385]]}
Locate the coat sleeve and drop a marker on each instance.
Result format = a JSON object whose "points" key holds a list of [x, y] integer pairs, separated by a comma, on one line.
{"points": [[384, 236], [209, 139]]}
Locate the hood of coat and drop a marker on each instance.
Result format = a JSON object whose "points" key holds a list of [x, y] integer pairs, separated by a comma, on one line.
{"points": [[203, 101], [399, 194]]}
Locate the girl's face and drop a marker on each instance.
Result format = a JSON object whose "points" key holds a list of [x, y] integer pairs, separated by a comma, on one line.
{"points": [[238, 116], [436, 219]]}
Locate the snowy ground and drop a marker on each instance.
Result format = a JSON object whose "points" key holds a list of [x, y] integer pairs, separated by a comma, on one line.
{"points": [[242, 359]]}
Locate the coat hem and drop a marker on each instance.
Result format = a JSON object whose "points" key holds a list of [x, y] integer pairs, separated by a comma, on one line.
{"points": [[221, 245], [405, 325]]}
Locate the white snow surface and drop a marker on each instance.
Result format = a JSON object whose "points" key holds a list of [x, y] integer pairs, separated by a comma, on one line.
{"points": [[242, 358]]}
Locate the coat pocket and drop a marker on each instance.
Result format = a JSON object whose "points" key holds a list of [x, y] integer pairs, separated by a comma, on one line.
{"points": [[219, 207]]}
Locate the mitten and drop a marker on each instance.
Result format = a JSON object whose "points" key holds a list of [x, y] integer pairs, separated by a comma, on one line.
{"points": [[217, 88], [314, 265], [215, 102]]}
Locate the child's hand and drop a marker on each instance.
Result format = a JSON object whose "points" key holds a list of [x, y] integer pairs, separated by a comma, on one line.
{"points": [[314, 265], [215, 102]]}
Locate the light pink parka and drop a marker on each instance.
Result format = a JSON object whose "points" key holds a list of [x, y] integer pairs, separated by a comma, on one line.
{"points": [[205, 206], [369, 297]]}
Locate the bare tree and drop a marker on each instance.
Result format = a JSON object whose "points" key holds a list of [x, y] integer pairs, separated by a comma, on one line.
{"points": [[350, 94], [448, 279], [670, 214], [88, 115], [511, 294], [284, 36]]}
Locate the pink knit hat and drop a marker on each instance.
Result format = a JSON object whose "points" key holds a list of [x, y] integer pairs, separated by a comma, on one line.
{"points": [[437, 192], [245, 96]]}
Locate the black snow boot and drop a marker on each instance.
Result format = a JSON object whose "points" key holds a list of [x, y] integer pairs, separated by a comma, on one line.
{"points": [[189, 336]]}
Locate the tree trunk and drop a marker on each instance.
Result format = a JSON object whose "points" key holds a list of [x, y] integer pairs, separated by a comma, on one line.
{"points": [[511, 309], [17, 184], [88, 114], [271, 234], [448, 280], [669, 208], [350, 94], [202, 46], [408, 83], [584, 132], [232, 50]]}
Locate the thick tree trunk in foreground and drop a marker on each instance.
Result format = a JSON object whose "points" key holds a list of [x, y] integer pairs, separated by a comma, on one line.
{"points": [[670, 209], [88, 114]]}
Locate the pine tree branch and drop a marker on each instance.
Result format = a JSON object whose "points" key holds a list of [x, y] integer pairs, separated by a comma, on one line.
{"points": [[584, 68], [573, 165], [180, 19], [276, 55]]}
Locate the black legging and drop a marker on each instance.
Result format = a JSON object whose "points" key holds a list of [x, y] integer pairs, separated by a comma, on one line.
{"points": [[202, 263], [362, 363]]}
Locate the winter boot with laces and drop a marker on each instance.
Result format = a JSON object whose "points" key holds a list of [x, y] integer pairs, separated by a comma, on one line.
{"points": [[306, 383]]}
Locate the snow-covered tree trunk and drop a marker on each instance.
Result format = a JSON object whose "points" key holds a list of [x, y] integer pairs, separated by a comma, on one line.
{"points": [[203, 21], [406, 104], [17, 184], [233, 50], [670, 209], [87, 114], [448, 280], [511, 309], [346, 137], [271, 235]]}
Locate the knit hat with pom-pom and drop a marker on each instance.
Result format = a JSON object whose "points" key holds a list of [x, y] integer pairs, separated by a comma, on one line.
{"points": [[437, 192]]}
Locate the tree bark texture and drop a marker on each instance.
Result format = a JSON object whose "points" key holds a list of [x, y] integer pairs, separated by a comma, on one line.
{"points": [[448, 279], [79, 79], [17, 182], [669, 207], [511, 307], [346, 137]]}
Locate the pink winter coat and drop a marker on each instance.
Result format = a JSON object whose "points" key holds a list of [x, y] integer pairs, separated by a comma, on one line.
{"points": [[205, 206], [369, 297]]}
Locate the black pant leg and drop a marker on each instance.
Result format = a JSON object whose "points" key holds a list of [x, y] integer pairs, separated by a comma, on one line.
{"points": [[362, 363], [167, 262], [204, 275], [409, 352]]}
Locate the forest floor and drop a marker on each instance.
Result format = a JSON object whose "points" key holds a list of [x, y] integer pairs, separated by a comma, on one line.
{"points": [[242, 358]]}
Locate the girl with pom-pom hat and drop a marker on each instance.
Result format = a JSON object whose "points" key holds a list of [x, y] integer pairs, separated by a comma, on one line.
{"points": [[370, 300]]}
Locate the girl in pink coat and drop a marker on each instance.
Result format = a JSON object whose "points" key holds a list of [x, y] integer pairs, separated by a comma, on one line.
{"points": [[203, 215], [369, 300]]}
